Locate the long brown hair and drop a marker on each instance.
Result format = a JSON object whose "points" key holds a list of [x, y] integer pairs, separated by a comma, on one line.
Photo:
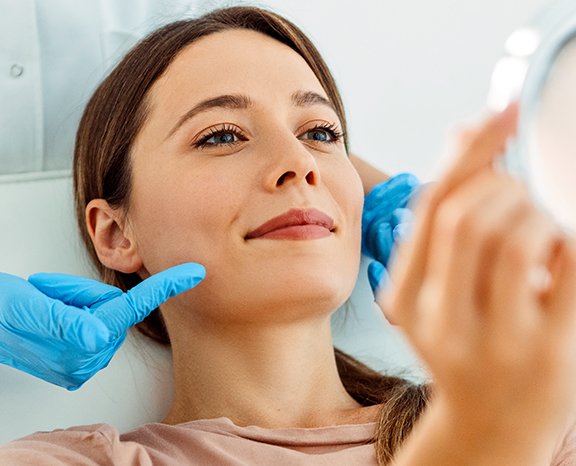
{"points": [[102, 170]]}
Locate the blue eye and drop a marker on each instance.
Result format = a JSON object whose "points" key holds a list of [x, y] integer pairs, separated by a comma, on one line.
{"points": [[317, 135], [324, 133], [222, 138]]}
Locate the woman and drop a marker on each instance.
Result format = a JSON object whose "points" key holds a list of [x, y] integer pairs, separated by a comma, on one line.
{"points": [[221, 141]]}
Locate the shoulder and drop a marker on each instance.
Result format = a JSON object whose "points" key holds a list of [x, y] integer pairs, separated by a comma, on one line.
{"points": [[102, 444], [79, 446]]}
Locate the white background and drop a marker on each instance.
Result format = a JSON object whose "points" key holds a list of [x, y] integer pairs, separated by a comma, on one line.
{"points": [[409, 70]]}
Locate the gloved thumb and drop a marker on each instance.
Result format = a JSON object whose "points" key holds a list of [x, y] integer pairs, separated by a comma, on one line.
{"points": [[378, 277]]}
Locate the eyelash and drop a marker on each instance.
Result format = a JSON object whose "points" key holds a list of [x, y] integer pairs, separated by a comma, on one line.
{"points": [[226, 129], [331, 128]]}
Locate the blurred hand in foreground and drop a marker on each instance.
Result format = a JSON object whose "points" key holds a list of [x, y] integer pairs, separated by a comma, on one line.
{"points": [[485, 291]]}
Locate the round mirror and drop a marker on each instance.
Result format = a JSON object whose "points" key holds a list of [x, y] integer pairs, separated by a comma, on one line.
{"points": [[539, 70]]}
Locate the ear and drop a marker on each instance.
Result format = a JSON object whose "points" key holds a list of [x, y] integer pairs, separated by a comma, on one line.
{"points": [[112, 240]]}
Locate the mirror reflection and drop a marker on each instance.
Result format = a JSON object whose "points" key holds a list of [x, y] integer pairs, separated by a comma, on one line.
{"points": [[552, 146], [539, 71]]}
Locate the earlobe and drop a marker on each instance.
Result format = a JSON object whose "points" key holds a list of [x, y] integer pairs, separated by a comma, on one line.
{"points": [[113, 244]]}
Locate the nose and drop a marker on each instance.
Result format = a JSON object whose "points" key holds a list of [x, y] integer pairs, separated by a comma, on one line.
{"points": [[291, 164], [292, 175]]}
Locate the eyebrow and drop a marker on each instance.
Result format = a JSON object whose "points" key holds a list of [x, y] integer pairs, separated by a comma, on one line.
{"points": [[238, 101], [310, 98], [232, 101]]}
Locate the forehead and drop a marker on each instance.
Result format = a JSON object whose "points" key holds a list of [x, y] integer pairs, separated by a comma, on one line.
{"points": [[234, 61]]}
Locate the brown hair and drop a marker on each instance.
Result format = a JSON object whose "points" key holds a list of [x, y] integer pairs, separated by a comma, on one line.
{"points": [[102, 170]]}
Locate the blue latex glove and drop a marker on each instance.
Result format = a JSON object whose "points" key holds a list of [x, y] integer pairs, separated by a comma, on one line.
{"points": [[64, 329], [386, 220]]}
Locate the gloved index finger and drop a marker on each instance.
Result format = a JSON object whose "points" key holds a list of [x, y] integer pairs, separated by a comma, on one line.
{"points": [[74, 291], [127, 310]]}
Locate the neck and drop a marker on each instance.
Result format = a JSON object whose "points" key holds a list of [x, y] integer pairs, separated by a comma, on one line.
{"points": [[270, 376]]}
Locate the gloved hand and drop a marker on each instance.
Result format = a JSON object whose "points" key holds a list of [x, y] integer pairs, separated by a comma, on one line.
{"points": [[386, 220], [64, 329]]}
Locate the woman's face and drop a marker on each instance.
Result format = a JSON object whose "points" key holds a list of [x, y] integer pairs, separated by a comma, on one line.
{"points": [[240, 132]]}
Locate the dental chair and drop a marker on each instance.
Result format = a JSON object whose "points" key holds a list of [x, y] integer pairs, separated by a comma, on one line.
{"points": [[38, 234]]}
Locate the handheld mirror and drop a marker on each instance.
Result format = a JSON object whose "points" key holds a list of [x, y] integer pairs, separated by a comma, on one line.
{"points": [[539, 70]]}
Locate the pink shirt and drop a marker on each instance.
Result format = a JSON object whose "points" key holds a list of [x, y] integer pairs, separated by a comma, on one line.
{"points": [[210, 442], [204, 442]]}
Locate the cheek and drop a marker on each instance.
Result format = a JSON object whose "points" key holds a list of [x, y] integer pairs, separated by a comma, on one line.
{"points": [[353, 204], [346, 188], [185, 220]]}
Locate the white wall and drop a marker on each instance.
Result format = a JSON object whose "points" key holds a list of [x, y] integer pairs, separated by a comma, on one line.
{"points": [[408, 70]]}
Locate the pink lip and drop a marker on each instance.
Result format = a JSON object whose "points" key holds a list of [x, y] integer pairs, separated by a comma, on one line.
{"points": [[295, 224]]}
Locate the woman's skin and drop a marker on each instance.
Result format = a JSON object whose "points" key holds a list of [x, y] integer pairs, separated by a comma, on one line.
{"points": [[369, 174], [252, 342]]}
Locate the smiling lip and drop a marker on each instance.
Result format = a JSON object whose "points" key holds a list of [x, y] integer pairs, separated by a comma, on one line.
{"points": [[295, 224]]}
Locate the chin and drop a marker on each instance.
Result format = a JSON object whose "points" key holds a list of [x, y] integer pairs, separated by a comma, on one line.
{"points": [[307, 290]]}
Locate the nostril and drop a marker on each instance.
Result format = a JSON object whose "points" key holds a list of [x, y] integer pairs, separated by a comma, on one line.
{"points": [[285, 177], [310, 178]]}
